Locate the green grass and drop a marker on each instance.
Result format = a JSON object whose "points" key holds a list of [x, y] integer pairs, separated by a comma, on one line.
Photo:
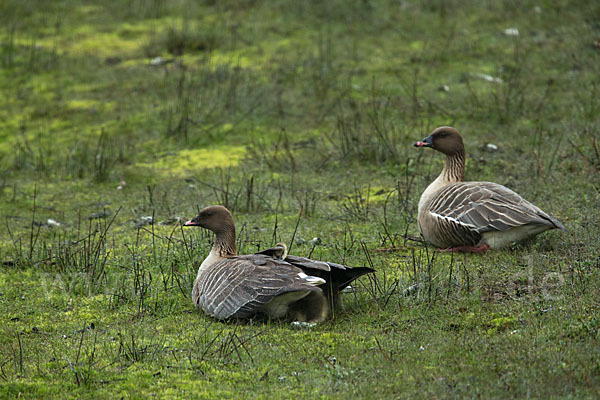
{"points": [[271, 108]]}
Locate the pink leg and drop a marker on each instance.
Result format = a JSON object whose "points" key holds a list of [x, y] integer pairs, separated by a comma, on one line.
{"points": [[471, 249]]}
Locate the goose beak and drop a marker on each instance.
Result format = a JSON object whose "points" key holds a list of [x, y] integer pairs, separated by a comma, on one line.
{"points": [[190, 223], [427, 142]]}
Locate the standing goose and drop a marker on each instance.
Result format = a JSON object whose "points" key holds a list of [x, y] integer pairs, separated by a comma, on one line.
{"points": [[233, 286], [473, 216]]}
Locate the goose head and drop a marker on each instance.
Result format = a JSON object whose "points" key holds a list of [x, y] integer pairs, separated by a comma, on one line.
{"points": [[214, 218], [444, 139]]}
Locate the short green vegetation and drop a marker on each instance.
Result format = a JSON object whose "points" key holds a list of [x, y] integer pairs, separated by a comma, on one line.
{"points": [[114, 114]]}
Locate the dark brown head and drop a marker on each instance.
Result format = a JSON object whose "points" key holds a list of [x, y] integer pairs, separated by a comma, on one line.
{"points": [[444, 139], [215, 218]]}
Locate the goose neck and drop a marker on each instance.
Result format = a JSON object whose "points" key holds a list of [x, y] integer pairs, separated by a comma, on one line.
{"points": [[224, 244], [454, 169]]}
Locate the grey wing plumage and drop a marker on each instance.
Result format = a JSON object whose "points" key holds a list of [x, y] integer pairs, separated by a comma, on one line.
{"points": [[474, 208], [336, 276], [239, 287]]}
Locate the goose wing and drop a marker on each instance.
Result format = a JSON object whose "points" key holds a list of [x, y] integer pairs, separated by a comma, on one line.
{"points": [[240, 286], [337, 275], [478, 207]]}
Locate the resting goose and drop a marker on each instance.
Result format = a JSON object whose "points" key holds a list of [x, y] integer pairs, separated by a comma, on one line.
{"points": [[271, 282], [337, 277], [473, 216]]}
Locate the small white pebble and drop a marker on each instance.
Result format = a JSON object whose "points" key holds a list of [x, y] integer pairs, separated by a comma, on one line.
{"points": [[410, 290], [302, 325], [145, 220], [489, 78], [444, 88], [491, 147], [421, 348], [156, 61], [348, 289], [52, 223], [511, 32]]}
